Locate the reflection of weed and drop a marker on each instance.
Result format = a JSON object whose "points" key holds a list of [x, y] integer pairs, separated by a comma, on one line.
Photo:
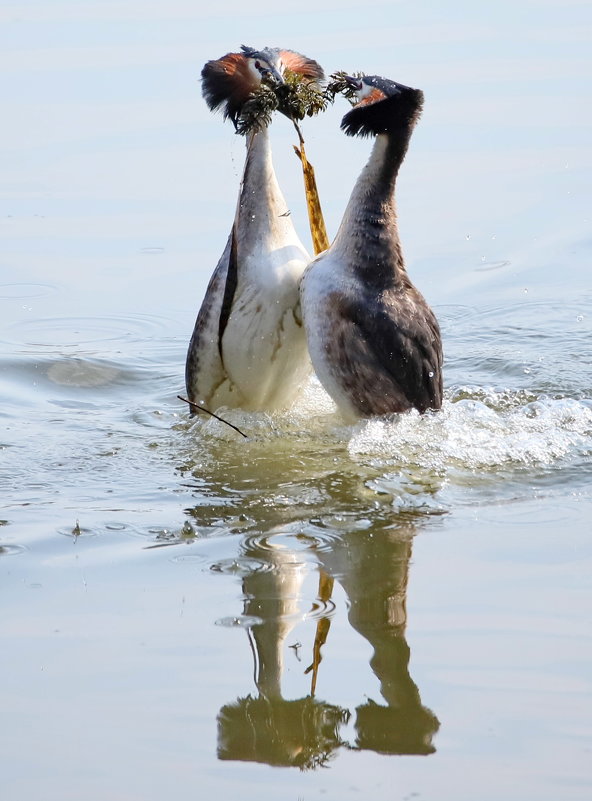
{"points": [[302, 733]]}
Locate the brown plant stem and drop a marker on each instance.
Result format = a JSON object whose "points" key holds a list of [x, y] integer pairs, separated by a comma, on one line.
{"points": [[207, 411]]}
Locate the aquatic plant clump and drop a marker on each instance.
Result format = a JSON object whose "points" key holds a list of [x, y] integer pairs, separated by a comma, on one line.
{"points": [[297, 97], [339, 85], [257, 111]]}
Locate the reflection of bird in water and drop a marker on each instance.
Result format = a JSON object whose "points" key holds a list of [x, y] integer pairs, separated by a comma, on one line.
{"points": [[269, 728], [248, 347], [374, 575], [307, 732], [373, 340], [303, 733]]}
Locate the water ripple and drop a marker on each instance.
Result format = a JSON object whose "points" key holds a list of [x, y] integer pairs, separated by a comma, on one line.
{"points": [[77, 531], [241, 566], [320, 609], [11, 550], [486, 266], [290, 543], [70, 332], [17, 291]]}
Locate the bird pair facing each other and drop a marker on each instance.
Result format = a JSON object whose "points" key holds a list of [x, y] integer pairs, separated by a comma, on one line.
{"points": [[269, 310]]}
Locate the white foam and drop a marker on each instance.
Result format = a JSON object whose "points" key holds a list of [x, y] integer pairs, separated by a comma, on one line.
{"points": [[477, 433]]}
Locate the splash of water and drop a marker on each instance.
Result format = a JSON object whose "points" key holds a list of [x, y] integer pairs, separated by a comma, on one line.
{"points": [[482, 430], [484, 445]]}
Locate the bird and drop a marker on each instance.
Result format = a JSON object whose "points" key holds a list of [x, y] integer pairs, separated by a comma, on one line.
{"points": [[374, 342], [229, 82], [248, 349]]}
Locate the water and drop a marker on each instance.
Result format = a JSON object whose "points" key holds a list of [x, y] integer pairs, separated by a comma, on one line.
{"points": [[163, 579]]}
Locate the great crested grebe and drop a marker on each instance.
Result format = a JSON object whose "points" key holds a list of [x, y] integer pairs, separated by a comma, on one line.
{"points": [[248, 347], [373, 340]]}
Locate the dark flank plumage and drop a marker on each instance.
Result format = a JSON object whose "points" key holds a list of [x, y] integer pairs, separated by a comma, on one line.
{"points": [[374, 341], [248, 347]]}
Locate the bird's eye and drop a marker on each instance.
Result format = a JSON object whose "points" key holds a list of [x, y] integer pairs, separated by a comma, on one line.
{"points": [[257, 65]]}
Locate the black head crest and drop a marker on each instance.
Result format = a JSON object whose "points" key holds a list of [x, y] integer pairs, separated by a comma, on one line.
{"points": [[269, 54], [385, 107], [249, 52]]}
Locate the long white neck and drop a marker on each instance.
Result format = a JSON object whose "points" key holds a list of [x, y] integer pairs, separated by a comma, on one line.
{"points": [[261, 203]]}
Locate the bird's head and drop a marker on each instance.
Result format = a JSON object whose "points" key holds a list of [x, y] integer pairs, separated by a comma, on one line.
{"points": [[382, 106], [229, 82], [265, 66]]}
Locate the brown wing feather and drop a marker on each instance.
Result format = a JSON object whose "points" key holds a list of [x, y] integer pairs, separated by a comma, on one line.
{"points": [[227, 84], [302, 65]]}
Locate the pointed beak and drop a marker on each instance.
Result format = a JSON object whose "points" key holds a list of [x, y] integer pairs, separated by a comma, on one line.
{"points": [[353, 83], [272, 75]]}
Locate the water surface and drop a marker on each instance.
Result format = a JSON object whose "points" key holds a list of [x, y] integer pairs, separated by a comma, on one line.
{"points": [[166, 585]]}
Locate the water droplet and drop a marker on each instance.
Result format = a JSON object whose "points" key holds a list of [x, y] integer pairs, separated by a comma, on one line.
{"points": [[467, 237], [579, 318], [431, 374]]}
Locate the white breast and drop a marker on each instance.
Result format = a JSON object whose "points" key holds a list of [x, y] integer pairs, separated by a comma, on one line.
{"points": [[264, 344], [324, 283]]}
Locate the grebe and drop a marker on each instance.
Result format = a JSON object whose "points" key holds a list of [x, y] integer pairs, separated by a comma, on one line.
{"points": [[248, 347], [373, 340]]}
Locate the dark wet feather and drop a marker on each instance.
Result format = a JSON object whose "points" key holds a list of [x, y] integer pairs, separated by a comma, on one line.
{"points": [[398, 112], [229, 289], [384, 350], [206, 332]]}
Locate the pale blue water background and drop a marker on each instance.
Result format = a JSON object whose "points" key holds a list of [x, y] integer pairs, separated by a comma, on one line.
{"points": [[465, 538]]}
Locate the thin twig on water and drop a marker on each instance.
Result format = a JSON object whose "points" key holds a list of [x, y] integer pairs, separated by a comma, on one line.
{"points": [[207, 411]]}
